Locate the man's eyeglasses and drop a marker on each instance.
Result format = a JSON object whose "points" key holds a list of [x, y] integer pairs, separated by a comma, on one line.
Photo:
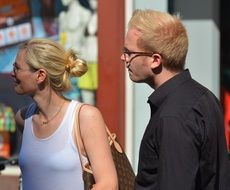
{"points": [[127, 54]]}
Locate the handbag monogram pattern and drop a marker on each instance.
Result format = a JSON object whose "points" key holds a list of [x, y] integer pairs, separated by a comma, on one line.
{"points": [[124, 169]]}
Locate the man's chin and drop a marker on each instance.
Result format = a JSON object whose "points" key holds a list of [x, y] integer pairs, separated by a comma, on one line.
{"points": [[136, 80]]}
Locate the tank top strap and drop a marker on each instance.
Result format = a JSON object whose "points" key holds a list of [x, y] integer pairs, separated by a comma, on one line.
{"points": [[71, 111]]}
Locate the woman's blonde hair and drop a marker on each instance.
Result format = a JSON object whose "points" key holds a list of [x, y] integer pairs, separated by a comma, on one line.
{"points": [[161, 33], [60, 64]]}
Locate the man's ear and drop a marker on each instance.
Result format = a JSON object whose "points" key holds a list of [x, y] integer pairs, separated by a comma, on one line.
{"points": [[156, 61], [41, 75]]}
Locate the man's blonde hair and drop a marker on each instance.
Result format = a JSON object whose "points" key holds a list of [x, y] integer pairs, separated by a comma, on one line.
{"points": [[161, 33]]}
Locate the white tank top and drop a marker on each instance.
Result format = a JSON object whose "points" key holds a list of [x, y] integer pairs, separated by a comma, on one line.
{"points": [[52, 163]]}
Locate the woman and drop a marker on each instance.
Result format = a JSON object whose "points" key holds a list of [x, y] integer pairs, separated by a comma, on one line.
{"points": [[48, 157]]}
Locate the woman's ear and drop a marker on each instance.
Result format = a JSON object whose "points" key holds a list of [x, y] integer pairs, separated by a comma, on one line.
{"points": [[41, 75], [156, 61]]}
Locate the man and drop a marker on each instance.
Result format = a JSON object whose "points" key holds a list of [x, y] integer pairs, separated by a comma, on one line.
{"points": [[183, 146]]}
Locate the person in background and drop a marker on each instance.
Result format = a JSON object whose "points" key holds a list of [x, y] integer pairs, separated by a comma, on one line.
{"points": [[49, 157], [183, 146]]}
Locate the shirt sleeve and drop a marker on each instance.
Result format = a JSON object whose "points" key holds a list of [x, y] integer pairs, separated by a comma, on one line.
{"points": [[179, 143]]}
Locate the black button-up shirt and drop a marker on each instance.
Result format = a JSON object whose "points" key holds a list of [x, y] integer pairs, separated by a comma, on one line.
{"points": [[183, 147]]}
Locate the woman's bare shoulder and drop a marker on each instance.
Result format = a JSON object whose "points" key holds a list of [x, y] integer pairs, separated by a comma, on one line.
{"points": [[88, 110], [90, 117]]}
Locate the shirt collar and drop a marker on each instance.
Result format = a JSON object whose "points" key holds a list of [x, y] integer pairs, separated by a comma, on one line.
{"points": [[158, 96]]}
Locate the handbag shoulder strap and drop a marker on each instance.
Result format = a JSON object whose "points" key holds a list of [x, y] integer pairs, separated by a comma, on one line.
{"points": [[78, 138], [112, 140]]}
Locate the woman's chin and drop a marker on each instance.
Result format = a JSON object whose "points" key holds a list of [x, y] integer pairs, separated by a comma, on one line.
{"points": [[18, 90]]}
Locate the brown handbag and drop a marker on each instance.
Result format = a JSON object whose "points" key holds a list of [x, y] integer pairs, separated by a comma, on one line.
{"points": [[125, 173]]}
